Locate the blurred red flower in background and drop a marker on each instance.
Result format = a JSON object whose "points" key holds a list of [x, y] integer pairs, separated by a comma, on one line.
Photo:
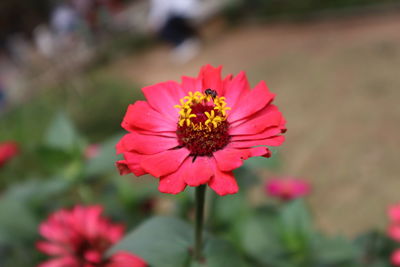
{"points": [[80, 237], [92, 151], [197, 132], [395, 258], [8, 150], [287, 188]]}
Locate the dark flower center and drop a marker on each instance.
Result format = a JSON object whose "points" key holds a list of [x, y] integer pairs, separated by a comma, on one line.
{"points": [[202, 126], [91, 253]]}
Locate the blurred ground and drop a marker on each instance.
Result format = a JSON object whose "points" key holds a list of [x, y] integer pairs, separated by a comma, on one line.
{"points": [[337, 83]]}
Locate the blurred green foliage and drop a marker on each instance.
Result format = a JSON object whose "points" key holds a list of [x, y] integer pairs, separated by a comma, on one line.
{"points": [[294, 9]]}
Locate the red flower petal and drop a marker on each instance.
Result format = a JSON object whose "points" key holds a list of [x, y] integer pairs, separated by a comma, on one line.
{"points": [[164, 162], [173, 183], [211, 78], [60, 262], [53, 233], [272, 141], [132, 161], [268, 117], [260, 152], [190, 84], [163, 97], [125, 259], [269, 132], [235, 89], [252, 102], [145, 144], [223, 183], [51, 248], [198, 172], [141, 115], [91, 224], [229, 159], [123, 167]]}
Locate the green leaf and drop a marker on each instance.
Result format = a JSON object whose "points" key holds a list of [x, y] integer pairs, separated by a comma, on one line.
{"points": [[261, 239], [105, 161], [230, 207], [61, 133], [374, 246], [36, 190], [16, 221], [160, 241], [218, 252], [296, 219], [334, 250]]}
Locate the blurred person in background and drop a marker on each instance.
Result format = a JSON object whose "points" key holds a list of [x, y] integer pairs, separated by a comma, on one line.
{"points": [[172, 21]]}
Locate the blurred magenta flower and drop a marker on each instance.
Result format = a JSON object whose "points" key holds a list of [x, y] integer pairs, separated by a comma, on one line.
{"points": [[8, 150], [287, 188], [198, 131], [80, 237], [395, 258], [91, 151]]}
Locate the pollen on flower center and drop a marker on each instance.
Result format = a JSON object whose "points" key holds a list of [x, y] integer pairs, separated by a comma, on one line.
{"points": [[202, 126]]}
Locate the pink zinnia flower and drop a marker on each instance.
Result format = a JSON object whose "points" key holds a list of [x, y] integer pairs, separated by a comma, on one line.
{"points": [[395, 258], [198, 131], [8, 150], [80, 237], [287, 188]]}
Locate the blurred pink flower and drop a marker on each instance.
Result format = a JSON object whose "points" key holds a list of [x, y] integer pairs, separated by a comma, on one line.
{"points": [[92, 151], [287, 188], [394, 213], [8, 150], [80, 237], [395, 258]]}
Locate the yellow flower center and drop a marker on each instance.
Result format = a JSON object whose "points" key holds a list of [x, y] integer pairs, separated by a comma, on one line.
{"points": [[202, 125], [202, 111]]}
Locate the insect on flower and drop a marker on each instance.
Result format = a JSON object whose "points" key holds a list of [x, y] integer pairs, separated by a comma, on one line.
{"points": [[210, 92]]}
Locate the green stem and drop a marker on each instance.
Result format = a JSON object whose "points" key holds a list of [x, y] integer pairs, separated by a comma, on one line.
{"points": [[200, 200]]}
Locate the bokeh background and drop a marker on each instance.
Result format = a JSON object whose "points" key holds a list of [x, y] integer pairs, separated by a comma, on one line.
{"points": [[334, 66]]}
